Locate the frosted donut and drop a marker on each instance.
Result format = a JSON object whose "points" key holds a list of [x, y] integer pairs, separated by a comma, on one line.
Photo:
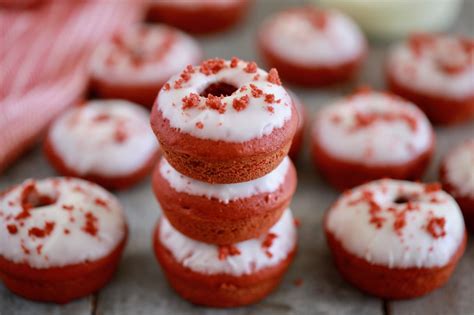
{"points": [[137, 62], [311, 46], [371, 135], [229, 275], [396, 239], [224, 213], [224, 121], [457, 176], [107, 142], [199, 16], [436, 73], [60, 238]]}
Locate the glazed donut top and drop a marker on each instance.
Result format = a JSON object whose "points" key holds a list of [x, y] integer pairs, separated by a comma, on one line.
{"points": [[196, 4], [239, 259], [144, 54], [398, 224], [459, 167], [435, 65], [110, 138], [373, 128], [257, 103], [313, 37], [57, 222], [225, 192]]}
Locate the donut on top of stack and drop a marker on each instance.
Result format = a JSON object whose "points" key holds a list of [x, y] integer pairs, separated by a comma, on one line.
{"points": [[224, 121], [224, 183]]}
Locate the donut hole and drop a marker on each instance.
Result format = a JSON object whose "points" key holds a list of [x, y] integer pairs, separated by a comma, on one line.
{"points": [[219, 89], [32, 198], [403, 199]]}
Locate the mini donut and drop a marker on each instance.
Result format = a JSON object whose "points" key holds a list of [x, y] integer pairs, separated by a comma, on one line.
{"points": [[224, 213], [299, 135], [224, 121], [311, 46], [107, 142], [457, 176], [227, 275], [396, 239], [436, 73], [371, 135], [137, 62], [198, 16], [60, 238]]}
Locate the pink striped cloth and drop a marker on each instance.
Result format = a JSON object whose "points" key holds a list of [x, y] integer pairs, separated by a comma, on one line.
{"points": [[43, 62]]}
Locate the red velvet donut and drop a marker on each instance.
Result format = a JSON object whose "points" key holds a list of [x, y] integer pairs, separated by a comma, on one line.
{"points": [[107, 142], [457, 176], [436, 73], [199, 16], [396, 239], [312, 47], [371, 135], [227, 275], [224, 213], [137, 62], [224, 121], [60, 238]]}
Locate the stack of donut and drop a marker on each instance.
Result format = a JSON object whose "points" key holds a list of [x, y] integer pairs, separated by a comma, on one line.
{"points": [[225, 182]]}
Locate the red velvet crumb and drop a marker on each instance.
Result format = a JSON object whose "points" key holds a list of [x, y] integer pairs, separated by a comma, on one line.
{"points": [[12, 229], [215, 102], [199, 125], [363, 120], [178, 83], [102, 117], [251, 67], [101, 202], [273, 77], [120, 135], [436, 227], [318, 18], [227, 250], [190, 101], [234, 62], [186, 74], [418, 42], [256, 92], [432, 187], [400, 222], [68, 207], [269, 98], [268, 241], [240, 103], [166, 86], [90, 226], [212, 66], [40, 233]]}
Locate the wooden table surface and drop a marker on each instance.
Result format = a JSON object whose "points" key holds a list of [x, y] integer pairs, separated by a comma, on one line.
{"points": [[139, 286]]}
